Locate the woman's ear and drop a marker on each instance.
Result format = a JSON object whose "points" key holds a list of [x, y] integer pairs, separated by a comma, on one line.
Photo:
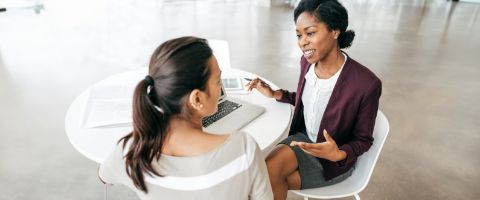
{"points": [[195, 100], [336, 33]]}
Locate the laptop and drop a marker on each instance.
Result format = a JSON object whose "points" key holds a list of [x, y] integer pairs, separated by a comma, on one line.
{"points": [[232, 114]]}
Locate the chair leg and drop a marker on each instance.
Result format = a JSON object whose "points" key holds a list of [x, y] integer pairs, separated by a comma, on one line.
{"points": [[357, 197], [105, 191]]}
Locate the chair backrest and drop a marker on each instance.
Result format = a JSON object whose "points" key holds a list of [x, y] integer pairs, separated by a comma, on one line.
{"points": [[222, 52], [366, 162]]}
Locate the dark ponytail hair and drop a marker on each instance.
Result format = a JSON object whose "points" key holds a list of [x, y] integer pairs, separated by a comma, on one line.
{"points": [[332, 13], [177, 67]]}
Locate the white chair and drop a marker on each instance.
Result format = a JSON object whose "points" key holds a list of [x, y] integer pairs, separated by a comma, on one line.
{"points": [[354, 184], [221, 51]]}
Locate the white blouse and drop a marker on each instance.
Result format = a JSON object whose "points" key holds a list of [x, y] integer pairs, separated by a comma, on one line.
{"points": [[235, 170], [315, 97]]}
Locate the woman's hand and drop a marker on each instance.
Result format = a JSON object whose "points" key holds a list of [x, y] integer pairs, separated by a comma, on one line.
{"points": [[326, 150], [263, 88]]}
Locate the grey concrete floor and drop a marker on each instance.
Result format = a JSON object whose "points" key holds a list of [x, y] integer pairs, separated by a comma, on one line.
{"points": [[425, 52]]}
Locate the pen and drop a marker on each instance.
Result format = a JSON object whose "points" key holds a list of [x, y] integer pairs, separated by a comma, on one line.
{"points": [[261, 81]]}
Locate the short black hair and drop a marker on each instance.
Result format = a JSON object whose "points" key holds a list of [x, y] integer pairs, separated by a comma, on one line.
{"points": [[332, 13]]}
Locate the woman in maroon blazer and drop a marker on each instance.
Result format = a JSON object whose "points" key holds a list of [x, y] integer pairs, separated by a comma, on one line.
{"points": [[336, 104]]}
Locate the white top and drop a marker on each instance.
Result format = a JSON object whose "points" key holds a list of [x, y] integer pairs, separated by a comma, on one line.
{"points": [[234, 170], [315, 97]]}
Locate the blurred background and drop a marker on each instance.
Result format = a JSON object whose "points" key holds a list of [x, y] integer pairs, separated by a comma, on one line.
{"points": [[424, 51]]}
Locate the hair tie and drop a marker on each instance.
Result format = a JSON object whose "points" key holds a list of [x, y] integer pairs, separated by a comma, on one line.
{"points": [[149, 80]]}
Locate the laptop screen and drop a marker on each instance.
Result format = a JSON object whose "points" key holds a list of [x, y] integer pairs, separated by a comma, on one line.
{"points": [[223, 94]]}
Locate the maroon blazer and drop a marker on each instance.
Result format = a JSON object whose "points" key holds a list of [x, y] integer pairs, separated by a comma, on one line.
{"points": [[349, 116]]}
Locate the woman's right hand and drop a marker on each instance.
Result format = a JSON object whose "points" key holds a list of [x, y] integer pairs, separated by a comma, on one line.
{"points": [[263, 88]]}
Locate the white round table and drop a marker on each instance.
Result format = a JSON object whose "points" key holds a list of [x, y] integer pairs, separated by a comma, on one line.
{"points": [[97, 143]]}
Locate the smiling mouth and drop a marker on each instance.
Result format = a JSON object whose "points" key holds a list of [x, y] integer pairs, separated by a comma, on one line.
{"points": [[308, 53]]}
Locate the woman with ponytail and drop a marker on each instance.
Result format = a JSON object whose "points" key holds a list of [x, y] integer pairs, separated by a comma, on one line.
{"points": [[336, 104], [168, 155]]}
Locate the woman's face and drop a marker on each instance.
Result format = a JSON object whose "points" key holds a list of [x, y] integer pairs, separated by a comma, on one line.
{"points": [[214, 85], [314, 38]]}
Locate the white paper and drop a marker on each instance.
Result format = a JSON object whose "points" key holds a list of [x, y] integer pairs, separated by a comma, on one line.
{"points": [[109, 106], [109, 113]]}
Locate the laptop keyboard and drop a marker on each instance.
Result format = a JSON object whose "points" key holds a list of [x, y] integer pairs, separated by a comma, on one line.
{"points": [[224, 108]]}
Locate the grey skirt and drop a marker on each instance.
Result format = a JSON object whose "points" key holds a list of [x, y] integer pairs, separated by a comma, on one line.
{"points": [[309, 167]]}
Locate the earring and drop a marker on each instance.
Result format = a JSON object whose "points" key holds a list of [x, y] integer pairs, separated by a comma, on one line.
{"points": [[198, 105]]}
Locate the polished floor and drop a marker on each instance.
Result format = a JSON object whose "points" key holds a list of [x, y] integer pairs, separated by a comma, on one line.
{"points": [[425, 51]]}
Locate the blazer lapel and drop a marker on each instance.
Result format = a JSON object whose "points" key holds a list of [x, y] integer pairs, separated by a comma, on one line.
{"points": [[304, 71], [297, 114], [302, 83]]}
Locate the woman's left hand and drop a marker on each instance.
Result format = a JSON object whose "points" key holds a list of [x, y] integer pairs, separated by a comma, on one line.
{"points": [[326, 150]]}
